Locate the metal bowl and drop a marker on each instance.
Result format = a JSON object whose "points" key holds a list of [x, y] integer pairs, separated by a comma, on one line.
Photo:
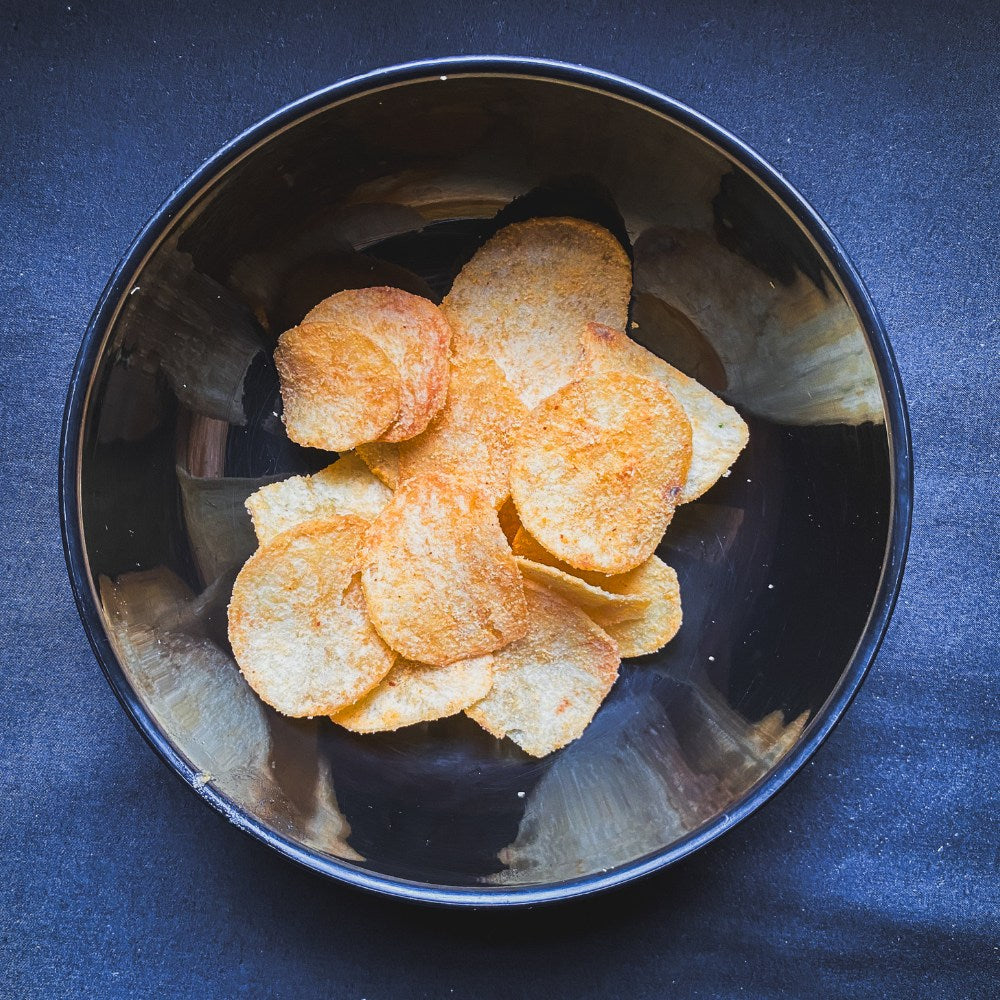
{"points": [[789, 567]]}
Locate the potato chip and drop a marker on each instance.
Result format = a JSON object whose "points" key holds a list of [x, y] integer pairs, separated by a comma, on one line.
{"points": [[345, 487], [298, 624], [510, 523], [599, 605], [528, 291], [718, 433], [597, 469], [523, 544], [654, 581], [660, 622], [418, 692], [338, 388], [382, 459], [548, 684], [528, 547], [438, 574], [470, 438], [414, 334]]}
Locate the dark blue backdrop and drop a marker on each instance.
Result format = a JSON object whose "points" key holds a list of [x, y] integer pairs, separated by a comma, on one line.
{"points": [[873, 874]]}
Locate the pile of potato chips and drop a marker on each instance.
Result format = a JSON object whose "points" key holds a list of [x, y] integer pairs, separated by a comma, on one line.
{"points": [[485, 541]]}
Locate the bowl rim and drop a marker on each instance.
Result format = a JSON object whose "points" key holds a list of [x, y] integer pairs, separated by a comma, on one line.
{"points": [[900, 452]]}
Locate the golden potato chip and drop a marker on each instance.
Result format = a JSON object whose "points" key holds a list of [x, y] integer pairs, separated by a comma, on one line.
{"points": [[510, 523], [382, 459], [522, 544], [597, 469], [438, 574], [527, 547], [418, 692], [530, 548], [298, 624], [339, 389], [528, 291], [660, 622], [345, 487], [600, 605], [548, 684], [470, 438], [654, 581], [414, 334], [718, 433]]}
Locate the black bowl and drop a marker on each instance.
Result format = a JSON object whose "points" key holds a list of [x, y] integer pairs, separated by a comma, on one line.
{"points": [[789, 567]]}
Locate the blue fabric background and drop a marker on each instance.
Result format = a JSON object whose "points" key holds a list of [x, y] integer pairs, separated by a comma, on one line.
{"points": [[874, 874]]}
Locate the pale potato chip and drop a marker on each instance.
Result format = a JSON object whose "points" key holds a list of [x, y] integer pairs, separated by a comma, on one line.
{"points": [[525, 546], [528, 291], [382, 459], [510, 523], [414, 334], [654, 581], [418, 692], [599, 605], [597, 469], [530, 548], [660, 622], [298, 624], [548, 684], [718, 433], [339, 389], [345, 487], [438, 574]]}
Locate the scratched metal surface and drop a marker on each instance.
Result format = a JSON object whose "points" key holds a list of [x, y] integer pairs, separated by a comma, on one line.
{"points": [[875, 868]]}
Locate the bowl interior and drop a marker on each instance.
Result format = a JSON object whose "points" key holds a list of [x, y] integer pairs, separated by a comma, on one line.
{"points": [[779, 563]]}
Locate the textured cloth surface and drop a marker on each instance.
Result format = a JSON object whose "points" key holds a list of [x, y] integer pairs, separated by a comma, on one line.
{"points": [[874, 874]]}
